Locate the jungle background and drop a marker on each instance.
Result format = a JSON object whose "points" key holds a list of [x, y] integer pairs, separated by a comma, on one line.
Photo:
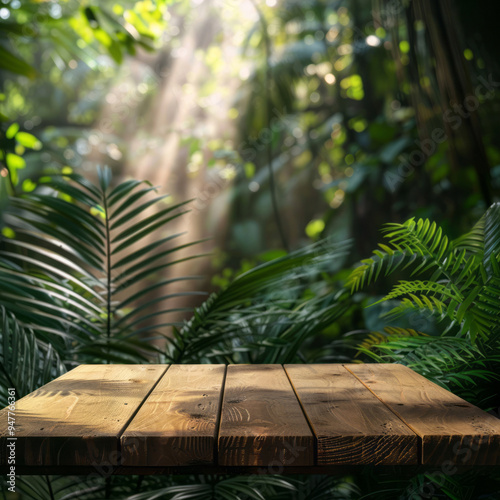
{"points": [[279, 138]]}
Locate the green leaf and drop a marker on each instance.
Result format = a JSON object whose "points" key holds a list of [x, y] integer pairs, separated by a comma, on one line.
{"points": [[12, 131], [115, 51], [15, 162], [28, 141], [14, 64]]}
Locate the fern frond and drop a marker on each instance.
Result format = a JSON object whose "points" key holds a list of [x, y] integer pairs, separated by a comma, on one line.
{"points": [[421, 236], [491, 235], [438, 292], [461, 287], [375, 339], [448, 361], [465, 318], [473, 241], [385, 261]]}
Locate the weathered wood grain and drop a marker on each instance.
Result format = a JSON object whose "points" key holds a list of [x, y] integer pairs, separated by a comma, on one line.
{"points": [[77, 419], [360, 415], [262, 423], [351, 425], [177, 424], [452, 430]]}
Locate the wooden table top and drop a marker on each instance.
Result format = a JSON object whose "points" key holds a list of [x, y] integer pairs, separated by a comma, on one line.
{"points": [[306, 418]]}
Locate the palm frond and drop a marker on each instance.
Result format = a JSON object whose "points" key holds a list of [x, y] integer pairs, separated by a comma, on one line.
{"points": [[258, 487], [82, 255], [262, 316], [26, 362]]}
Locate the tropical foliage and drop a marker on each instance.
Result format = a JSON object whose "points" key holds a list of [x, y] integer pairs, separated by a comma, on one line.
{"points": [[114, 28], [63, 304], [267, 314], [77, 280], [70, 254], [358, 138], [64, 51], [458, 295], [295, 126]]}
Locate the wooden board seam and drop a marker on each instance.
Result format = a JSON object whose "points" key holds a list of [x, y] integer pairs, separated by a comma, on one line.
{"points": [[419, 438], [123, 429], [218, 418], [315, 446]]}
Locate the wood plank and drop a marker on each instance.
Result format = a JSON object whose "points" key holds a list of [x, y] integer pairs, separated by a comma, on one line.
{"points": [[351, 425], [177, 424], [77, 419], [262, 423], [452, 430]]}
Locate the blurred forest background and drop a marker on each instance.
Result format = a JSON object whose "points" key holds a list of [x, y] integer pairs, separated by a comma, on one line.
{"points": [[361, 108], [291, 125]]}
